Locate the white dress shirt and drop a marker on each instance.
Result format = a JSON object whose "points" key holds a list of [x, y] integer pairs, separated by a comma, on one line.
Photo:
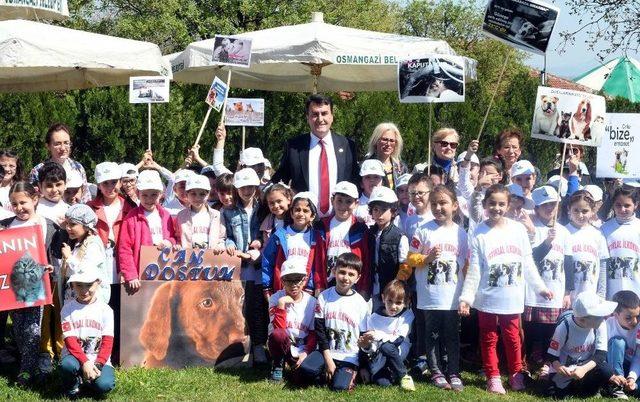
{"points": [[314, 167]]}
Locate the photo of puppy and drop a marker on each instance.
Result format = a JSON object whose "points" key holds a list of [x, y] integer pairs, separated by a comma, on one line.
{"points": [[622, 267], [545, 118], [195, 323], [524, 29], [583, 269], [26, 280], [550, 270], [581, 120], [620, 165], [501, 275], [563, 131], [441, 272]]}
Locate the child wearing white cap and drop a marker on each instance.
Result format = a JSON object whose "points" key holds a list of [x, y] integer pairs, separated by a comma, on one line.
{"points": [[198, 225], [129, 174], [177, 200], [148, 224], [371, 175], [402, 191], [524, 174], [578, 349], [74, 188], [517, 210], [596, 193], [622, 234], [553, 260]]}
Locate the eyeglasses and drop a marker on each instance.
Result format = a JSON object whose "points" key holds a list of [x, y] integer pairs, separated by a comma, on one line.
{"points": [[418, 193], [293, 282], [444, 144], [389, 140]]}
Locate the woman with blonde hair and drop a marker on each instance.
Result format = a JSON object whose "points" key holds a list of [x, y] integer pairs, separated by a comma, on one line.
{"points": [[385, 145], [444, 143]]}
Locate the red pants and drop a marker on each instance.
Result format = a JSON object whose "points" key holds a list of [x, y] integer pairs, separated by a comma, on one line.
{"points": [[279, 346], [510, 330]]}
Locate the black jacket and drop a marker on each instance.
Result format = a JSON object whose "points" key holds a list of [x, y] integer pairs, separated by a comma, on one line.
{"points": [[388, 254]]}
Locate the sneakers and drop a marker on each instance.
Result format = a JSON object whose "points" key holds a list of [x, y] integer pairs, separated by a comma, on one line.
{"points": [[456, 383], [276, 374], [440, 382], [494, 386], [259, 355], [73, 394], [407, 384], [516, 382], [616, 392], [421, 367]]}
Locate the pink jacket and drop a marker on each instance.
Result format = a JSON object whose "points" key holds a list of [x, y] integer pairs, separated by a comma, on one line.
{"points": [[184, 228], [135, 233]]}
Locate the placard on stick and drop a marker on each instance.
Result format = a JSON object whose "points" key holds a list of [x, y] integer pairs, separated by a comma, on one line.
{"points": [[431, 79], [217, 93], [619, 152], [523, 24], [23, 282], [244, 112], [148, 89], [572, 117], [231, 51]]}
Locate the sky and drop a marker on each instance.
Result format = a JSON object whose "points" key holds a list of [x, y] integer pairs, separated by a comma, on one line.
{"points": [[577, 59]]}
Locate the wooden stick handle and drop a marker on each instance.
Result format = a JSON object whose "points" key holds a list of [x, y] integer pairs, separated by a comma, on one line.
{"points": [[486, 115], [224, 104], [555, 215], [149, 126], [204, 124], [429, 141]]}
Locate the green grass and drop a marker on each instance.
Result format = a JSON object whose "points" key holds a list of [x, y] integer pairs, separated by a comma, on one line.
{"points": [[249, 384]]}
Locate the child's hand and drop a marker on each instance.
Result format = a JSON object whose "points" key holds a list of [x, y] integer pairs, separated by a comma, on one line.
{"points": [[578, 373], [164, 244], [194, 152], [253, 254], [573, 162], [472, 148], [132, 286], [221, 133], [284, 301], [618, 380], [177, 247], [565, 371], [89, 371], [630, 384], [256, 244], [551, 236], [486, 180], [464, 309], [433, 255], [231, 250], [301, 357], [48, 268], [217, 250], [547, 294], [66, 251], [566, 302], [330, 368]]}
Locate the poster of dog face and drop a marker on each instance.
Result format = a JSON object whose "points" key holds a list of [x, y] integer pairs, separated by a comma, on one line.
{"points": [[431, 79], [179, 324], [231, 51], [244, 112], [524, 24], [572, 117], [148, 89], [618, 152]]}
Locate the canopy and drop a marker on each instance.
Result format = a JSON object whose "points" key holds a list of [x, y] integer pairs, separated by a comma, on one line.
{"points": [[34, 10], [306, 57], [617, 77], [39, 57]]}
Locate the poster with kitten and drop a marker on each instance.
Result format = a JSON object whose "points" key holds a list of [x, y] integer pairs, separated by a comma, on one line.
{"points": [[431, 79]]}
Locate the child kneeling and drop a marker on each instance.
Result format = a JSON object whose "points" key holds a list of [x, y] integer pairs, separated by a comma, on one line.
{"points": [[386, 343], [87, 329]]}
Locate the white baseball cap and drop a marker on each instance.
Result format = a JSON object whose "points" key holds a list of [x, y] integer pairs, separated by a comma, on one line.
{"points": [[74, 180], [245, 177], [595, 191], [474, 158], [419, 168], [84, 274], [384, 194], [149, 180], [559, 183], [198, 181], [403, 180], [290, 267], [267, 163], [516, 189], [308, 195], [631, 183], [251, 156], [544, 195], [128, 171], [182, 175], [522, 167], [106, 171], [372, 166], [588, 303], [346, 188]]}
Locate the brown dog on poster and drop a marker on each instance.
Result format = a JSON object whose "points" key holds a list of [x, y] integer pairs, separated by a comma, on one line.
{"points": [[194, 323]]}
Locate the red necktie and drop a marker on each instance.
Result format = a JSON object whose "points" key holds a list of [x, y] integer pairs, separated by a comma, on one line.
{"points": [[324, 179]]}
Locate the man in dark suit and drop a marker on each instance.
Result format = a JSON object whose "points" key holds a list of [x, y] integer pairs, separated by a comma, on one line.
{"points": [[317, 161]]}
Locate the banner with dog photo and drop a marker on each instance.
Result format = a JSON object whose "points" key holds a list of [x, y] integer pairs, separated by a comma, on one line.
{"points": [[619, 153], [23, 281], [217, 92], [244, 112], [567, 116], [431, 79], [523, 24], [189, 311], [231, 51]]}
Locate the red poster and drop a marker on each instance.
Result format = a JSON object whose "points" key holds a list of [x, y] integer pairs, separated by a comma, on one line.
{"points": [[23, 282]]}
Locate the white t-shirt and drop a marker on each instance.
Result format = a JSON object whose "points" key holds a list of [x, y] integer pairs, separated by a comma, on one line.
{"points": [[52, 210], [345, 319], [362, 211], [631, 336], [200, 225], [578, 345], [89, 323], [111, 213], [155, 225], [5, 213], [298, 245], [623, 242], [439, 284], [551, 267], [414, 222], [173, 206], [503, 255], [39, 220], [389, 329], [4, 197], [300, 319], [338, 243], [587, 246]]}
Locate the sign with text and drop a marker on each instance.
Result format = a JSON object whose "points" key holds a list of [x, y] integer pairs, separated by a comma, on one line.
{"points": [[187, 265], [23, 281], [619, 153], [27, 9], [244, 112], [148, 89], [217, 93], [431, 79]]}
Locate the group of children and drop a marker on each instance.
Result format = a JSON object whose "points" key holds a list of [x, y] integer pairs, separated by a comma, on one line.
{"points": [[378, 288]]}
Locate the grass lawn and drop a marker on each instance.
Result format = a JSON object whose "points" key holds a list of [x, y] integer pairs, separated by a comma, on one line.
{"points": [[247, 384]]}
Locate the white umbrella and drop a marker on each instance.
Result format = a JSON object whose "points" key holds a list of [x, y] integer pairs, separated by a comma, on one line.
{"points": [[39, 57], [33, 10], [306, 57]]}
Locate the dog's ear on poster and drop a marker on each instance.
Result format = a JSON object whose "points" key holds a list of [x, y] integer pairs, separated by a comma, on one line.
{"points": [[156, 331]]}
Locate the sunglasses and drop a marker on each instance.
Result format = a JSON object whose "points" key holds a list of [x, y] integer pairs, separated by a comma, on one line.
{"points": [[293, 282], [444, 144]]}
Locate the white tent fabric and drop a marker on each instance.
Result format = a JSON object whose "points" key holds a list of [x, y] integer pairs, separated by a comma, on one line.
{"points": [[287, 59], [39, 57], [34, 10]]}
